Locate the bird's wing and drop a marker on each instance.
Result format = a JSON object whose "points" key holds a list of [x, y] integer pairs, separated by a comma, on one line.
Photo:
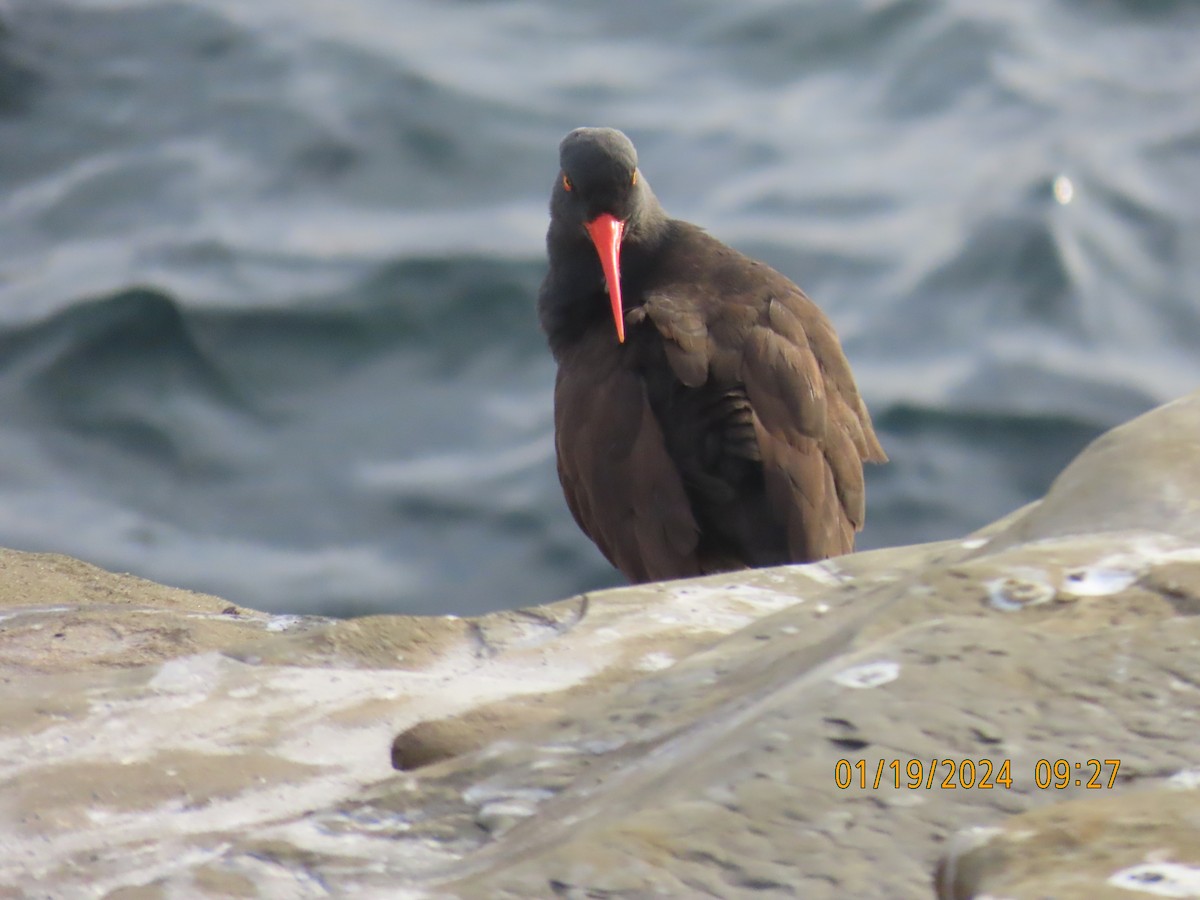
{"points": [[814, 430], [811, 427], [620, 483]]}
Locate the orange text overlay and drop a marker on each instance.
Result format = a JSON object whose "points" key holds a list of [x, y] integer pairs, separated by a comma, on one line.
{"points": [[972, 774]]}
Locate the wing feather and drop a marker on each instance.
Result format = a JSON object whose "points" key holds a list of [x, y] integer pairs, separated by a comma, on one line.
{"points": [[814, 428], [686, 336]]}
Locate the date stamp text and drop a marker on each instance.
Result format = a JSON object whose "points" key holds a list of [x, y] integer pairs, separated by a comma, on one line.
{"points": [[971, 774]]}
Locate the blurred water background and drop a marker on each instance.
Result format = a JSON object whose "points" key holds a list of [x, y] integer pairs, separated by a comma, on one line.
{"points": [[267, 269]]}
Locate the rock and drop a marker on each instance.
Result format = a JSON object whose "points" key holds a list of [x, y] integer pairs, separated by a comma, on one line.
{"points": [[1102, 846], [903, 723], [435, 740], [1139, 476]]}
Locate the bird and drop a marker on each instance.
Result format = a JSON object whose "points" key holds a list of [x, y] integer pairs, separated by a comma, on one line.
{"points": [[705, 416]]}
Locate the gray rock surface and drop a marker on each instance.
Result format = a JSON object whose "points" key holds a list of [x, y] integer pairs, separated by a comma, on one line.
{"points": [[681, 739]]}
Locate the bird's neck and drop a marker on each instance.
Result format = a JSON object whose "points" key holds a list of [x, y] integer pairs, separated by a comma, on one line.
{"points": [[573, 298]]}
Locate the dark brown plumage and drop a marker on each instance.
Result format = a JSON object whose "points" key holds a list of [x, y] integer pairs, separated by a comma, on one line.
{"points": [[717, 426]]}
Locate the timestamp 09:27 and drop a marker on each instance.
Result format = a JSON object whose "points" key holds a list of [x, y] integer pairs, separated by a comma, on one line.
{"points": [[971, 774]]}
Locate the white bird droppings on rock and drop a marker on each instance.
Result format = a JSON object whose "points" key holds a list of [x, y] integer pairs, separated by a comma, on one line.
{"points": [[188, 674], [825, 572], [762, 599], [1162, 879], [493, 792], [1097, 581], [1185, 780], [284, 623], [655, 662], [501, 815], [868, 675], [1018, 591]]}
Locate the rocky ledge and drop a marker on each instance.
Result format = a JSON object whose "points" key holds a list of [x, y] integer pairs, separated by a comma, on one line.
{"points": [[1015, 714]]}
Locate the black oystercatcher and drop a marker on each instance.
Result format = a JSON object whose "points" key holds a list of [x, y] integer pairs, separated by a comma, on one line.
{"points": [[718, 425]]}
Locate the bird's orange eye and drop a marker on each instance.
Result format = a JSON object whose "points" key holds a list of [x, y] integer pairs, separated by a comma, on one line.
{"points": [[567, 183], [633, 180]]}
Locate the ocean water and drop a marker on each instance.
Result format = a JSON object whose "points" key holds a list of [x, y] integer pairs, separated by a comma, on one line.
{"points": [[267, 269]]}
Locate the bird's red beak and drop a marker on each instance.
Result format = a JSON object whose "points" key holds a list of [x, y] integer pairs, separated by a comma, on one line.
{"points": [[605, 231]]}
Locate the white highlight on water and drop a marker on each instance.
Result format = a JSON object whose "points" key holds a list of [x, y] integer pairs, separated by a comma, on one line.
{"points": [[1064, 191]]}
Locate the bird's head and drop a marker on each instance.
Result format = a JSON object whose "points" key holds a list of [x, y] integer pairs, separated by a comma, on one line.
{"points": [[600, 192]]}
